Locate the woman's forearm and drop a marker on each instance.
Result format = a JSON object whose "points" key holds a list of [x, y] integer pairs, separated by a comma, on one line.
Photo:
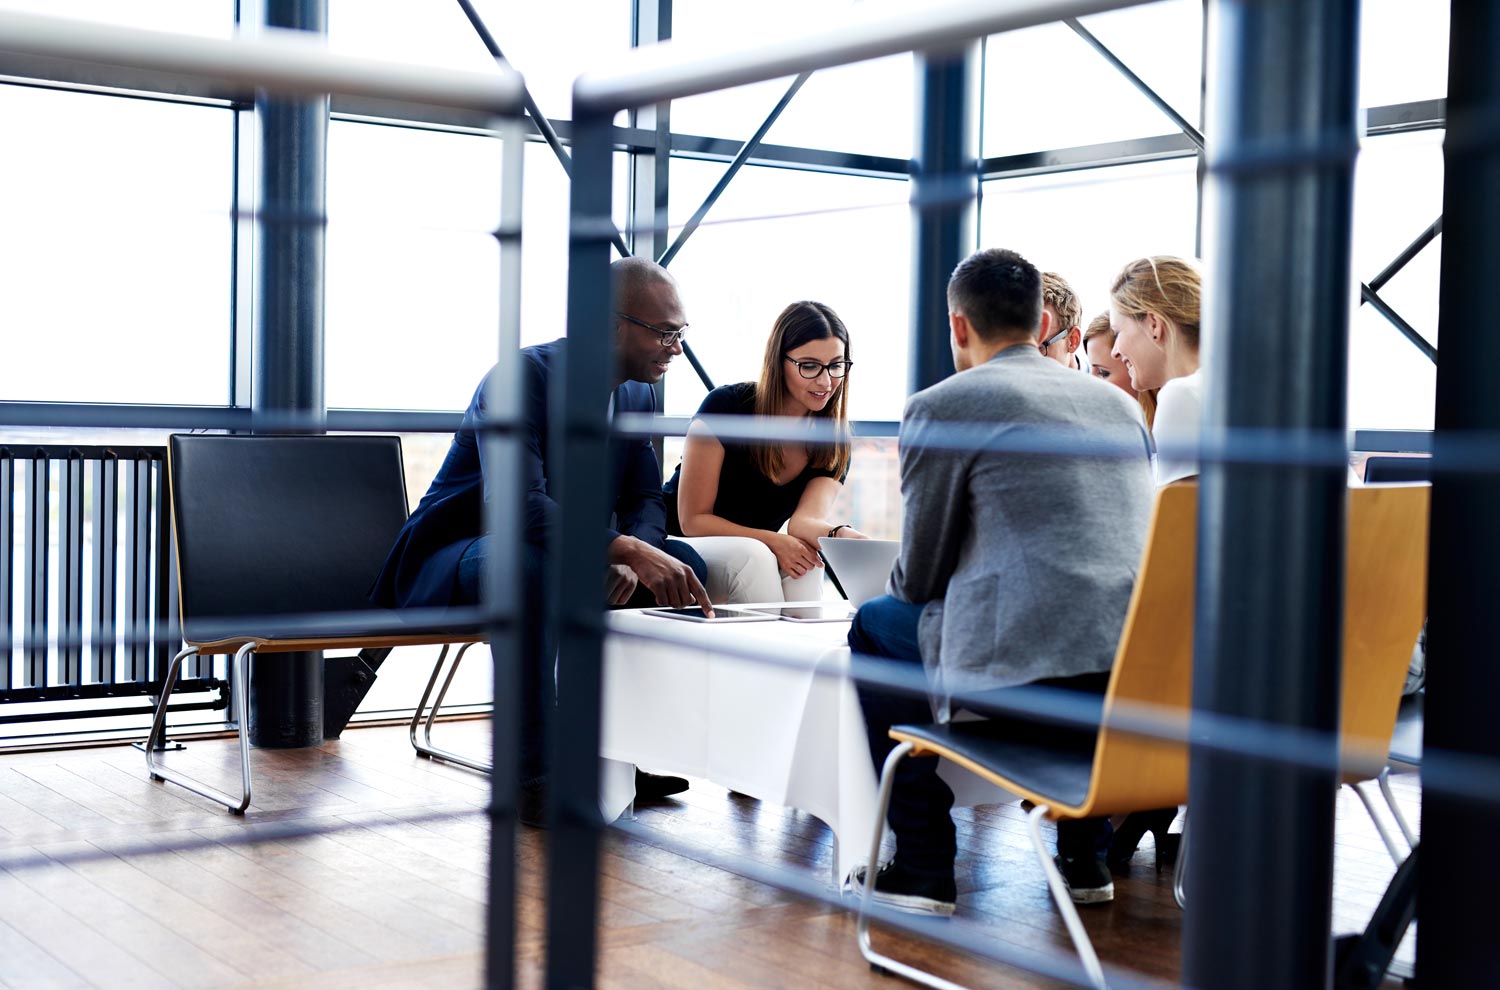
{"points": [[810, 529], [708, 524]]}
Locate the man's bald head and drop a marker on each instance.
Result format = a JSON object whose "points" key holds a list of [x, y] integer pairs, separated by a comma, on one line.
{"points": [[632, 278]]}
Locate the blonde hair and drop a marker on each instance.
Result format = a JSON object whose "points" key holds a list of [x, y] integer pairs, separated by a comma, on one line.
{"points": [[1099, 327], [798, 324], [1168, 286], [1057, 293]]}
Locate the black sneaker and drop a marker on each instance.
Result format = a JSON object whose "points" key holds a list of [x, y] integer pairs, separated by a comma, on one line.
{"points": [[896, 887], [1087, 877]]}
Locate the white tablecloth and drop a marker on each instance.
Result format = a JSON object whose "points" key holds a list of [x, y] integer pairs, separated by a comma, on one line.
{"points": [[778, 733]]}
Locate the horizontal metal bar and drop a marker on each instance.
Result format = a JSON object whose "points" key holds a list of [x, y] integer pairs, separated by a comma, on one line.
{"points": [[1163, 147], [1397, 118], [671, 71], [1393, 441], [94, 692], [285, 62], [83, 713], [787, 156], [86, 415], [89, 452]]}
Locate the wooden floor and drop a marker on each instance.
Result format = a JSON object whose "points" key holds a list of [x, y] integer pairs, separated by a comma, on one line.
{"points": [[108, 880]]}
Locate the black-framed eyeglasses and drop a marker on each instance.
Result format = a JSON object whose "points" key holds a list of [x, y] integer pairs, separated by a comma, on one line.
{"points": [[668, 338], [1050, 340], [812, 369]]}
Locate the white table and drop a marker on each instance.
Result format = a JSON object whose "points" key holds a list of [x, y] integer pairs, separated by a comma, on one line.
{"points": [[784, 734]]}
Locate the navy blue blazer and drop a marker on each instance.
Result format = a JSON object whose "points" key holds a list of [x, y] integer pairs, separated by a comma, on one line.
{"points": [[422, 567]]}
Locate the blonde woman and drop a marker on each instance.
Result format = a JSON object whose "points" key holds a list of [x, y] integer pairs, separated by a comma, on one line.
{"points": [[1153, 309], [1098, 342], [732, 499]]}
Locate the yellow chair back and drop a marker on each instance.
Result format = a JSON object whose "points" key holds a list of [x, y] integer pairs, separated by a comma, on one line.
{"points": [[1385, 584]]}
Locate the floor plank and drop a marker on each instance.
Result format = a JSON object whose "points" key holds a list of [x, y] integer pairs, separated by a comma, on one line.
{"points": [[110, 880]]}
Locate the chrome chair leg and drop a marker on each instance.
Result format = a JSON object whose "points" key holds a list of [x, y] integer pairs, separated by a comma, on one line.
{"points": [[1179, 872], [241, 674], [1064, 900], [425, 718], [867, 894], [1390, 799], [1385, 835]]}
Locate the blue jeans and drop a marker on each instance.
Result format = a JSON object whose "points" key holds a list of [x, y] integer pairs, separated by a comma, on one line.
{"points": [[538, 685], [920, 800]]}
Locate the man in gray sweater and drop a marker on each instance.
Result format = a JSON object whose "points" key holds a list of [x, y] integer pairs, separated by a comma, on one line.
{"points": [[1017, 562]]}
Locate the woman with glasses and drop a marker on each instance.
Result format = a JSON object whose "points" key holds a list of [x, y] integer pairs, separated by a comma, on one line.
{"points": [[1153, 309], [732, 498], [1098, 341]]}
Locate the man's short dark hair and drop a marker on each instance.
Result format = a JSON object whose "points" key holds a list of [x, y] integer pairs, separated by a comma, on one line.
{"points": [[999, 292]]}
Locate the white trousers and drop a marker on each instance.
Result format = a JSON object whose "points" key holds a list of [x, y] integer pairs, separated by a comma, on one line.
{"points": [[742, 570]]}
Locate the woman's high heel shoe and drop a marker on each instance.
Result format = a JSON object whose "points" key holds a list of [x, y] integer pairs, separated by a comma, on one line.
{"points": [[1130, 832]]}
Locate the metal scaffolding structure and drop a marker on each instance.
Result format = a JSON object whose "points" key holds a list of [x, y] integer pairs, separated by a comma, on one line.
{"points": [[1270, 529]]}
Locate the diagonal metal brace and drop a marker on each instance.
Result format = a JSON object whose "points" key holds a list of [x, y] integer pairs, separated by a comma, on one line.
{"points": [[743, 155]]}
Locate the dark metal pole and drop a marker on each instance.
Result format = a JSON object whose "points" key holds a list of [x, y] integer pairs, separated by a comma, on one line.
{"points": [[505, 594], [1271, 539], [286, 692], [649, 172], [945, 200], [580, 448], [1455, 939]]}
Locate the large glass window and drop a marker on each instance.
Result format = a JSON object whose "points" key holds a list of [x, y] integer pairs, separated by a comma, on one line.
{"points": [[1398, 193], [1087, 225], [1045, 88], [414, 269], [778, 236], [1403, 52], [115, 248], [413, 272], [864, 108]]}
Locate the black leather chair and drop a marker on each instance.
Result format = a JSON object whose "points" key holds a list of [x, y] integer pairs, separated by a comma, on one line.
{"points": [[277, 541]]}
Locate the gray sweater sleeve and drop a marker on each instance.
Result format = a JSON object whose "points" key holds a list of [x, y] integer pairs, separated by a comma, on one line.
{"points": [[935, 515]]}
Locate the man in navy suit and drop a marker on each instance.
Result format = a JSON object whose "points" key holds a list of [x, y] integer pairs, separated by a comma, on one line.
{"points": [[440, 554]]}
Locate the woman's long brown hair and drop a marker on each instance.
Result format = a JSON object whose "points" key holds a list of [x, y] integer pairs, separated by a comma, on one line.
{"points": [[798, 324]]}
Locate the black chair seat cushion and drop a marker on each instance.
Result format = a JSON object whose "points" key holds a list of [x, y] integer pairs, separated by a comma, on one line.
{"points": [[1049, 762], [436, 625]]}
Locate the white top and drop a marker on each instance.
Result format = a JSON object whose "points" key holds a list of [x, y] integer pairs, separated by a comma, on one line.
{"points": [[1177, 424]]}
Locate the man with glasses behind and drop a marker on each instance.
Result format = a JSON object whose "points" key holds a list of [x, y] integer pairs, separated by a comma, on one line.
{"points": [[1062, 318], [441, 553]]}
